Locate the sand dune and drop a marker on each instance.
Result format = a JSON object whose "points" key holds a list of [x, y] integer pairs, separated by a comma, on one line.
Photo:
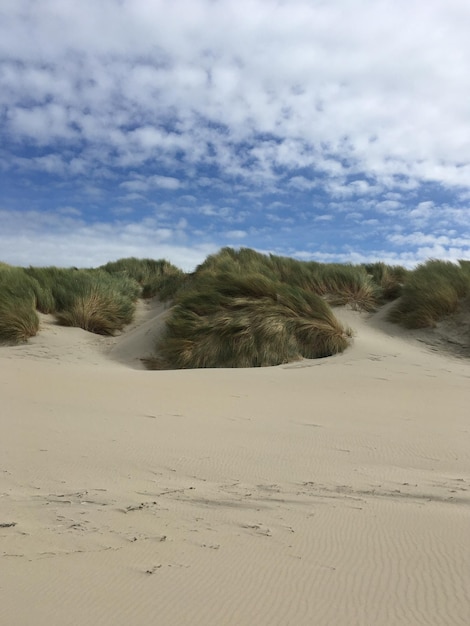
{"points": [[327, 492]]}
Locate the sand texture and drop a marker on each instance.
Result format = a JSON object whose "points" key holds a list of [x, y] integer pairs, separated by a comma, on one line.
{"points": [[330, 492]]}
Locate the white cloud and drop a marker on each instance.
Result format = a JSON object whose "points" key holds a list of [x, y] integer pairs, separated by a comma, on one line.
{"points": [[405, 258], [33, 238], [40, 123], [236, 234], [383, 85], [422, 239], [422, 212], [70, 210], [242, 103], [141, 183], [300, 182], [389, 207]]}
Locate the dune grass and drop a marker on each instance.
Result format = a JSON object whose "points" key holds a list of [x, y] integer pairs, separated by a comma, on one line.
{"points": [[239, 308], [48, 284], [91, 299], [390, 278], [350, 285], [465, 266], [430, 293], [156, 277], [95, 301], [338, 284], [18, 317], [230, 320]]}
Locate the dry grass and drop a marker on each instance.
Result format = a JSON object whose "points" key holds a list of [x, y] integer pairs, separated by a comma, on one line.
{"points": [[97, 308], [156, 277], [18, 317], [339, 284], [431, 292], [227, 320]]}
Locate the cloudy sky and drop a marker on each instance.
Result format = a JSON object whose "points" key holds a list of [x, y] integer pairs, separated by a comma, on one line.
{"points": [[335, 130]]}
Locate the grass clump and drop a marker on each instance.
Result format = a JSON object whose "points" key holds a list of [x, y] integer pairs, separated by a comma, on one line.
{"points": [[18, 317], [95, 301], [90, 299], [431, 292], [347, 285], [98, 300], [230, 320], [338, 284], [48, 281], [390, 278], [156, 277]]}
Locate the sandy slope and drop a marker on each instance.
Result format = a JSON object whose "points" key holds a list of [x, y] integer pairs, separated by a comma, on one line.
{"points": [[329, 492]]}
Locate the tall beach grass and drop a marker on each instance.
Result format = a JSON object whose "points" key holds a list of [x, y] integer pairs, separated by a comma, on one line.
{"points": [[18, 318], [239, 308], [340, 284], [96, 301], [431, 292], [233, 320], [156, 277]]}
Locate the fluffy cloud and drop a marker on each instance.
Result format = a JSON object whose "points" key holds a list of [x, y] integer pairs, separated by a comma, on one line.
{"points": [[382, 85], [330, 109], [34, 238]]}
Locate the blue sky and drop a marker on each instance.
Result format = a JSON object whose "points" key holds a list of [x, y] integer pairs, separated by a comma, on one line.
{"points": [[330, 130]]}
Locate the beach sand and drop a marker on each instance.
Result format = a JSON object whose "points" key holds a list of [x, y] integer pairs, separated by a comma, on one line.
{"points": [[330, 492]]}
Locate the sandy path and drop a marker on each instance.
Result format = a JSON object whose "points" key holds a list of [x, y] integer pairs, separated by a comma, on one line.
{"points": [[329, 492]]}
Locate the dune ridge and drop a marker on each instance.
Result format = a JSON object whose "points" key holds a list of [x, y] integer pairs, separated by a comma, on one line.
{"points": [[331, 491]]}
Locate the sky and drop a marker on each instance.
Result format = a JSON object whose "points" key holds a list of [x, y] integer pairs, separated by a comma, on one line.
{"points": [[328, 130]]}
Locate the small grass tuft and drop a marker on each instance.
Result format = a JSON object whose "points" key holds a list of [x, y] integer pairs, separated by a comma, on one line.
{"points": [[18, 317], [156, 277], [390, 278], [431, 292], [96, 301]]}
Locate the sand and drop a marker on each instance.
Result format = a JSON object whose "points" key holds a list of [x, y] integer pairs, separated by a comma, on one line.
{"points": [[328, 492]]}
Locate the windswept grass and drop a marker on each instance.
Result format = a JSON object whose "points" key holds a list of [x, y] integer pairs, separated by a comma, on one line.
{"points": [[156, 278], [338, 284], [347, 285], [48, 282], [431, 292], [96, 301], [390, 278], [230, 320], [18, 317], [465, 265], [240, 308], [90, 299]]}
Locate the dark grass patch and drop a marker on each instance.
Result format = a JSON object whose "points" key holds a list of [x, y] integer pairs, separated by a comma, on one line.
{"points": [[431, 292], [18, 317]]}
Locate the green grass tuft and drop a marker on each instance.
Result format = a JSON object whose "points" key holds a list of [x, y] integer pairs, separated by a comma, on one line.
{"points": [[18, 317], [96, 301], [390, 278], [229, 320], [46, 279], [431, 292], [156, 278], [339, 284]]}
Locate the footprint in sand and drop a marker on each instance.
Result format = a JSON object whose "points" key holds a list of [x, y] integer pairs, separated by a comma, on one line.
{"points": [[259, 529]]}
